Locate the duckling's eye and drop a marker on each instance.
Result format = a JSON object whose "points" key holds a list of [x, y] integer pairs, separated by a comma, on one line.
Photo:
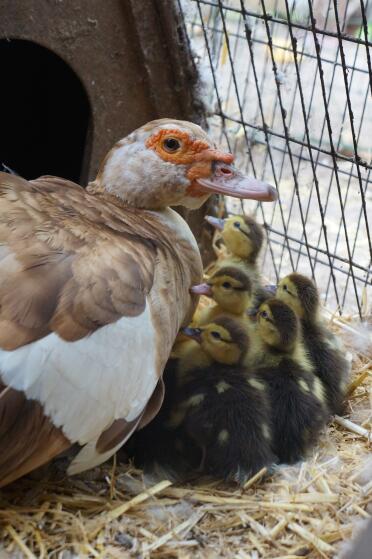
{"points": [[237, 224], [264, 314], [216, 335], [285, 287], [226, 285], [171, 145]]}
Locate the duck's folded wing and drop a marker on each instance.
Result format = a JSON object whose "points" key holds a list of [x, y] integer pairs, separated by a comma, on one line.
{"points": [[75, 286]]}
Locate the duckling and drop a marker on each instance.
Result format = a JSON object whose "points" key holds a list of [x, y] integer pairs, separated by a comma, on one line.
{"points": [[324, 348], [231, 290], [163, 445], [243, 238], [297, 400], [224, 407]]}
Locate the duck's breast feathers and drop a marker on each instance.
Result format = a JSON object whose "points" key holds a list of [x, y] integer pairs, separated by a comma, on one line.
{"points": [[91, 298]]}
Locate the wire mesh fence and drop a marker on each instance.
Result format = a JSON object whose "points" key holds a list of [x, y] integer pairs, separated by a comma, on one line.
{"points": [[288, 85]]}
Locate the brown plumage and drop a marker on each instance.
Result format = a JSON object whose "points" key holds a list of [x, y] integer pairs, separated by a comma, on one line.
{"points": [[19, 416], [94, 286], [72, 265]]}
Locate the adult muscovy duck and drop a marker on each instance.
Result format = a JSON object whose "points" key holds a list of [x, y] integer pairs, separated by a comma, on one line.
{"points": [[94, 286]]}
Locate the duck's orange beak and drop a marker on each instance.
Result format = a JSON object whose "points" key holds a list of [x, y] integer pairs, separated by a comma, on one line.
{"points": [[213, 172]]}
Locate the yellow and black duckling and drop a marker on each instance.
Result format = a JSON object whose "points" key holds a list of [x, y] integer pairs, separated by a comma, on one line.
{"points": [[296, 396], [243, 238], [163, 445], [323, 347], [224, 407], [231, 289], [215, 415]]}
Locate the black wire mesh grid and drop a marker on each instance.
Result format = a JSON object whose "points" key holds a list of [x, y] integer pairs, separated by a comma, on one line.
{"points": [[288, 85]]}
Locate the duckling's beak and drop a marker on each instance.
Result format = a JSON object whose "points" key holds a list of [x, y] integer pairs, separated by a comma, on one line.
{"points": [[216, 222], [271, 289], [252, 313], [202, 289], [226, 179], [193, 333]]}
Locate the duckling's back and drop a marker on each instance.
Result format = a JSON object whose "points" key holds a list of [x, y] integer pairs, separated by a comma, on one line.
{"points": [[228, 417], [329, 361], [297, 406]]}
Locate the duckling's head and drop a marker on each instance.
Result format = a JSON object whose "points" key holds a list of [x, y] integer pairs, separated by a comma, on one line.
{"points": [[278, 325], [224, 340], [242, 235], [230, 287], [170, 163], [300, 293]]}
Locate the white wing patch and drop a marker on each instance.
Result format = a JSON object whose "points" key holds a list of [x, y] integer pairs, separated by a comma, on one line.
{"points": [[85, 385]]}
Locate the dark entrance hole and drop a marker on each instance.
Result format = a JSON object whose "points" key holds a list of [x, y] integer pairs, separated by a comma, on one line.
{"points": [[45, 113]]}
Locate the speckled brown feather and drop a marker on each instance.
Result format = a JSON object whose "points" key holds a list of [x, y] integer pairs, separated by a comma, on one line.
{"points": [[76, 262], [71, 262], [74, 273], [39, 442]]}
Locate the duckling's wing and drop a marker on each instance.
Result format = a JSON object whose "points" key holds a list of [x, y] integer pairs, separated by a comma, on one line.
{"points": [[80, 316]]}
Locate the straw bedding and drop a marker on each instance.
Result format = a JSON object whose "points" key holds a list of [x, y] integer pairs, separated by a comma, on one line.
{"points": [[306, 510]]}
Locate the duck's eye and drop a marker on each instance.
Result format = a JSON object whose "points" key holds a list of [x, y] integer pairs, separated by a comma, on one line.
{"points": [[171, 145], [216, 335], [237, 224], [226, 285], [264, 314]]}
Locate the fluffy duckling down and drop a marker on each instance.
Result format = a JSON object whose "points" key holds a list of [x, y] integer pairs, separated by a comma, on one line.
{"points": [[231, 290], [324, 349], [225, 409], [296, 395], [215, 416], [243, 238]]}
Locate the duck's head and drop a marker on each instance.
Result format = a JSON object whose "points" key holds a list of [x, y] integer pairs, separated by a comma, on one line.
{"points": [[242, 235], [224, 340], [230, 287], [277, 325], [170, 163], [300, 293]]}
